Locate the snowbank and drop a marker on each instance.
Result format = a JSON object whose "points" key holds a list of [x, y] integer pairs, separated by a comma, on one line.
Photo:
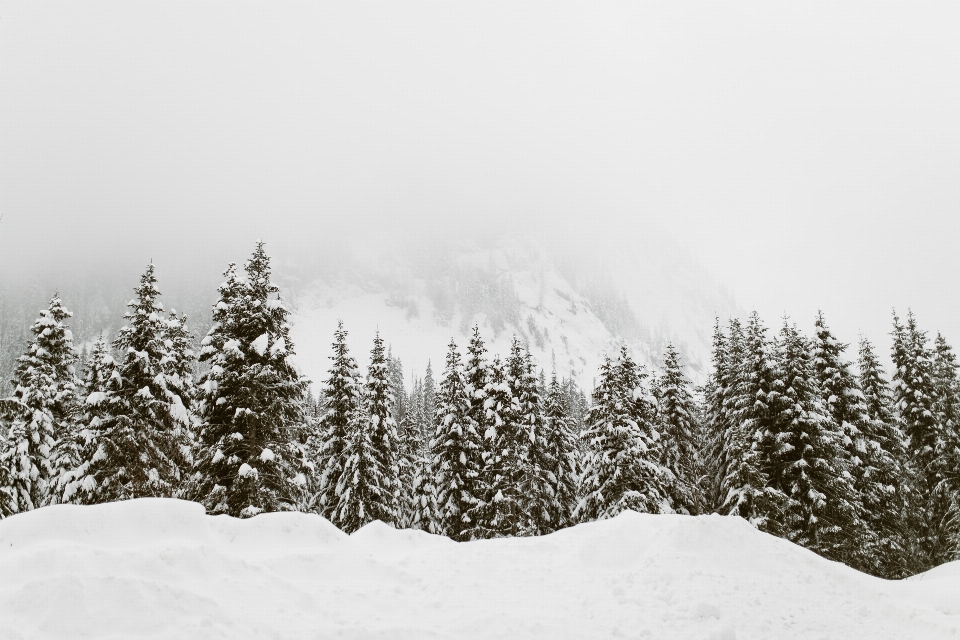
{"points": [[162, 568]]}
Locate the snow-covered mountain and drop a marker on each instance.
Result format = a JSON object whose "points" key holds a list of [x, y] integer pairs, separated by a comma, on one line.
{"points": [[564, 300]]}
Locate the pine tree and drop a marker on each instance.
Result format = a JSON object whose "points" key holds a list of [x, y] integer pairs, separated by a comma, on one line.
{"points": [[140, 445], [500, 512], [947, 408], [933, 507], [39, 444], [752, 406], [678, 429], [253, 409], [807, 460], [716, 420], [455, 451], [559, 449], [885, 489], [868, 447], [369, 487], [342, 395], [429, 405], [411, 450], [620, 468]]}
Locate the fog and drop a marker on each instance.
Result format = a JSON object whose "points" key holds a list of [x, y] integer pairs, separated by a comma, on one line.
{"points": [[807, 154]]}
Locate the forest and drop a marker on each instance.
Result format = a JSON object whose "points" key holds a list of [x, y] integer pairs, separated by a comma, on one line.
{"points": [[789, 432]]}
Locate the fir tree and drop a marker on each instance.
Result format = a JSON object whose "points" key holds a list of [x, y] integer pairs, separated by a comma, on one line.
{"points": [[429, 405], [342, 395], [139, 445], [620, 468], [932, 507], [678, 429], [807, 461], [253, 408], [455, 450], [369, 487], [717, 423], [39, 445], [752, 407], [559, 458], [885, 486], [500, 513]]}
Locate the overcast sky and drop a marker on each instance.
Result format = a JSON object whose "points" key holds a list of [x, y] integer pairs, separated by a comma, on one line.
{"points": [[808, 153]]}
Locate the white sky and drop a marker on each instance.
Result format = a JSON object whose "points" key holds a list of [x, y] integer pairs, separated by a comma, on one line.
{"points": [[809, 153]]}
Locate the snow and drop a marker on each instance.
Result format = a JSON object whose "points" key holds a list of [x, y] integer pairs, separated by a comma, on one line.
{"points": [[165, 569], [260, 344]]}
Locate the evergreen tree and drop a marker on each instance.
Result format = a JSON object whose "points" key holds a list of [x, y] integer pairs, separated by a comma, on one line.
{"points": [[500, 513], [885, 487], [140, 445], [455, 456], [868, 446], [947, 408], [429, 405], [808, 463], [395, 375], [933, 508], [620, 468], [716, 420], [253, 409], [342, 395], [752, 408], [369, 487], [412, 448], [559, 449], [678, 430], [39, 444]]}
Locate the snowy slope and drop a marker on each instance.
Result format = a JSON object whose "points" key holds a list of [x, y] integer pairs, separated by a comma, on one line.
{"points": [[578, 307], [162, 568]]}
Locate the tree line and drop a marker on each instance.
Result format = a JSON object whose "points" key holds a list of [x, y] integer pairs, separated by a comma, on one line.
{"points": [[784, 433]]}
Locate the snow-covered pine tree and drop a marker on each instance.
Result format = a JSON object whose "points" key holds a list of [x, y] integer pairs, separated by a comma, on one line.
{"points": [[874, 469], [138, 446], [885, 488], [752, 407], [560, 458], [39, 445], [679, 431], [342, 396], [253, 409], [455, 455], [499, 513], [411, 450], [807, 460], [947, 406], [932, 507], [716, 421], [395, 375], [429, 405], [620, 469], [369, 487]]}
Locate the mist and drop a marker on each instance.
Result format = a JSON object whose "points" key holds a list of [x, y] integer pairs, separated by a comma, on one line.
{"points": [[807, 155]]}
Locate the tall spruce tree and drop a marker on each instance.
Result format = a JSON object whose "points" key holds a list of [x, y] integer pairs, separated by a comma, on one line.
{"points": [[752, 408], [429, 404], [620, 469], [139, 446], [886, 487], [369, 487], [455, 449], [559, 458], [342, 396], [253, 408], [39, 446], [807, 460], [933, 508], [679, 432], [868, 447]]}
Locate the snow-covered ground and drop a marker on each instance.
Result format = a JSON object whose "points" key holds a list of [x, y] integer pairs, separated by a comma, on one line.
{"points": [[162, 568]]}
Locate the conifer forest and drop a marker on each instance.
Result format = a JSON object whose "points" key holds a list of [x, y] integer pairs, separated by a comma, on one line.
{"points": [[799, 432]]}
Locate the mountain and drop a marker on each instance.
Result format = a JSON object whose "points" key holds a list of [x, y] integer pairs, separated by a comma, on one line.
{"points": [[562, 300]]}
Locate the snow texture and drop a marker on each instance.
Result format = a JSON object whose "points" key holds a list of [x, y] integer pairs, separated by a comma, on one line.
{"points": [[162, 568]]}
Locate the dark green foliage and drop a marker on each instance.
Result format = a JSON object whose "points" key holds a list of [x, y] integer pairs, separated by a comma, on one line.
{"points": [[138, 446], [620, 469], [677, 425], [253, 410], [38, 441]]}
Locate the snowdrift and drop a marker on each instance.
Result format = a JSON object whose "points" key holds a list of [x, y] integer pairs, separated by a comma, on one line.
{"points": [[162, 568]]}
